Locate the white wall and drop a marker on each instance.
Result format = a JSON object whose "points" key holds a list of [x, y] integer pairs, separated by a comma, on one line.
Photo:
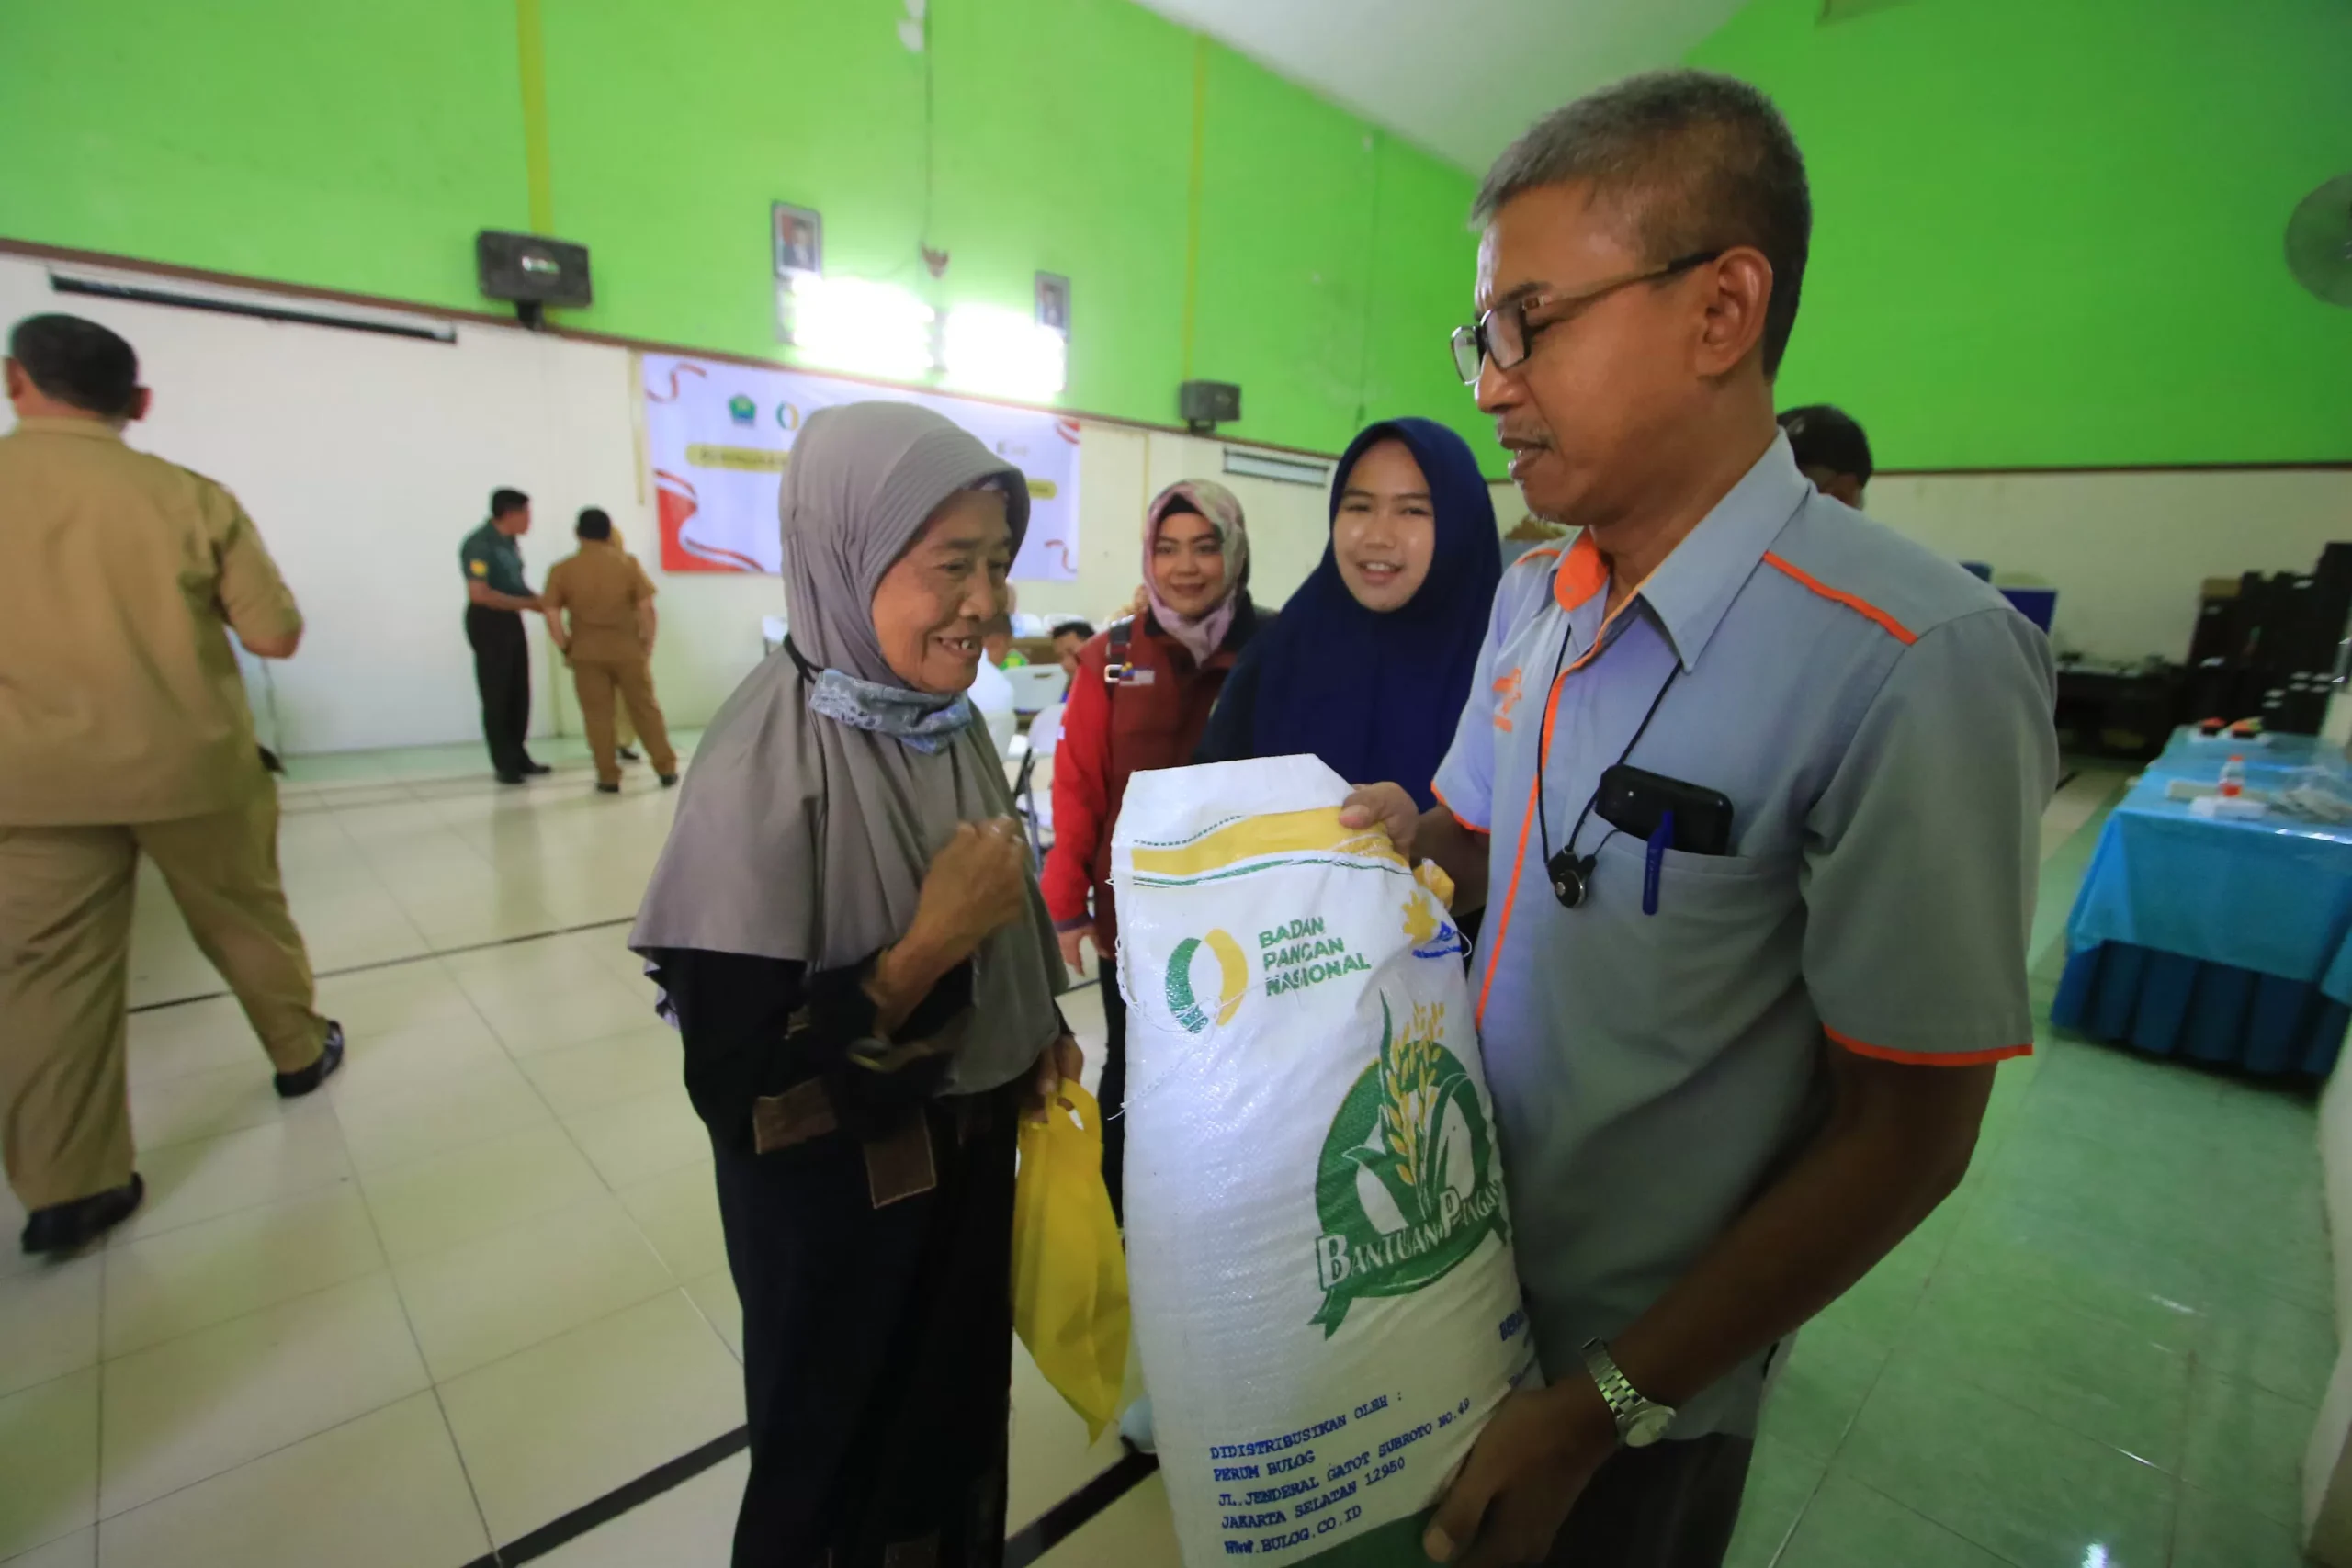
{"points": [[365, 460], [2126, 551]]}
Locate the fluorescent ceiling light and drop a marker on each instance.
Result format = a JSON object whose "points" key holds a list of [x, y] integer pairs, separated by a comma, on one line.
{"points": [[866, 328], [990, 349]]}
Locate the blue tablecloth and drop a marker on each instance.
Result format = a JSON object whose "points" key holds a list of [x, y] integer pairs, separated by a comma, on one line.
{"points": [[2227, 940], [2270, 760]]}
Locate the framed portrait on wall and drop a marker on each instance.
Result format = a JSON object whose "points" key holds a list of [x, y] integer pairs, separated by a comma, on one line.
{"points": [[799, 236], [1053, 302]]}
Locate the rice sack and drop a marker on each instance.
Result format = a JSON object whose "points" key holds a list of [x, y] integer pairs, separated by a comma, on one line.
{"points": [[1319, 1252]]}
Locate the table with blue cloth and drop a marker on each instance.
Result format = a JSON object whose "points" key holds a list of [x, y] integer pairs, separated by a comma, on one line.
{"points": [[2221, 941]]}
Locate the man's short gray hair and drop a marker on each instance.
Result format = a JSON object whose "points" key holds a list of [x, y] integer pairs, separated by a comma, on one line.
{"points": [[1691, 161]]}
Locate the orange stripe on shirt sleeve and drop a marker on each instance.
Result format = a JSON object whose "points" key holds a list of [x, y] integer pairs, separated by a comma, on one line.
{"points": [[1929, 1058], [1861, 606], [1466, 825]]}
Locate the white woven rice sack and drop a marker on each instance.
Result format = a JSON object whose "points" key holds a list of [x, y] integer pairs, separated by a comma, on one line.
{"points": [[1317, 1246]]}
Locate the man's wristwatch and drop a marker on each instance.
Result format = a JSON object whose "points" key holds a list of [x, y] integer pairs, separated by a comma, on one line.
{"points": [[1640, 1422]]}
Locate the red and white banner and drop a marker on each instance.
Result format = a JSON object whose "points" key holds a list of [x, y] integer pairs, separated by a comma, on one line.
{"points": [[718, 437]]}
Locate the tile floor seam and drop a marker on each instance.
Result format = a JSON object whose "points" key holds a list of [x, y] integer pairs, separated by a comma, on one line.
{"points": [[357, 1415], [118, 1238], [667, 1273], [1937, 1524], [378, 965], [2071, 1430], [97, 1469], [498, 1546], [1781, 1548], [382, 887], [316, 1290], [432, 1383], [2179, 1488], [573, 1137], [418, 1161], [687, 1286], [675, 1286]]}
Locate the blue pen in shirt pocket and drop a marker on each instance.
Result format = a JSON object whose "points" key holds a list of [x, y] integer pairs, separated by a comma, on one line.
{"points": [[1661, 840]]}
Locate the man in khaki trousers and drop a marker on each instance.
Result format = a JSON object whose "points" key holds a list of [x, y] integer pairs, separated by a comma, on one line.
{"points": [[123, 731], [599, 606], [624, 727]]}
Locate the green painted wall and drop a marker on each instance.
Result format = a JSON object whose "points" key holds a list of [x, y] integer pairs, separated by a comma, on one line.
{"points": [[2048, 232], [360, 147], [358, 151]]}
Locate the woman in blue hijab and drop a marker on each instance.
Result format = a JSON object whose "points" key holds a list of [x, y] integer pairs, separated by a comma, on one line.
{"points": [[1368, 665]]}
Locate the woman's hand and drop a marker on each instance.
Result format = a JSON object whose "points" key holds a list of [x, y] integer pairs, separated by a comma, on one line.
{"points": [[1061, 1063], [1073, 949], [977, 885]]}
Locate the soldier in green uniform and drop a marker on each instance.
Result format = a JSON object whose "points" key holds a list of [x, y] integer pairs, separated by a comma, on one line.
{"points": [[497, 596]]}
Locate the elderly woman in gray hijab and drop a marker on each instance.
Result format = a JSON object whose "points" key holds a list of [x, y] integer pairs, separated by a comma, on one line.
{"points": [[848, 933]]}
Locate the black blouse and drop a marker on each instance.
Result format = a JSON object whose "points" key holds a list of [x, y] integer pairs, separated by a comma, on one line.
{"points": [[755, 1028]]}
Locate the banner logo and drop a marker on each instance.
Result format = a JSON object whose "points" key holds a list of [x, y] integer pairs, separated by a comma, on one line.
{"points": [[1431, 934], [1233, 981], [1405, 1189]]}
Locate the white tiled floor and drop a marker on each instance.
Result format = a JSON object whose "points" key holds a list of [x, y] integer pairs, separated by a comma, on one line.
{"points": [[476, 1284]]}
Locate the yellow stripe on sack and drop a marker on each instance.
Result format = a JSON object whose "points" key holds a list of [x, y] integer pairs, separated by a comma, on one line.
{"points": [[1253, 836]]}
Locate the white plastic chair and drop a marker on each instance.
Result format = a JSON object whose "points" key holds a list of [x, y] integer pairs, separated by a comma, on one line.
{"points": [[1045, 736], [1036, 687]]}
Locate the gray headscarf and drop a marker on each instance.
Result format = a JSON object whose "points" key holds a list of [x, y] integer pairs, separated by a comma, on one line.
{"points": [[806, 837]]}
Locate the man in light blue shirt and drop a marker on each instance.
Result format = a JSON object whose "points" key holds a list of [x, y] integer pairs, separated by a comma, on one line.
{"points": [[1734, 1064]]}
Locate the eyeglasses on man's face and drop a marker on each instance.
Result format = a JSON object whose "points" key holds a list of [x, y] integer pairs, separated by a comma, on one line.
{"points": [[1505, 336]]}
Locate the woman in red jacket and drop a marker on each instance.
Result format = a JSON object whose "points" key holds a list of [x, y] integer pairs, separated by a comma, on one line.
{"points": [[1140, 699]]}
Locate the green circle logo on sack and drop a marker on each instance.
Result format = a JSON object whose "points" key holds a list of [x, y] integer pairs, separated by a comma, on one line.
{"points": [[1233, 981], [1405, 1189]]}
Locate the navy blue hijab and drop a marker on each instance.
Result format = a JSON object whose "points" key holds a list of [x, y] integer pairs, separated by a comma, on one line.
{"points": [[1378, 697]]}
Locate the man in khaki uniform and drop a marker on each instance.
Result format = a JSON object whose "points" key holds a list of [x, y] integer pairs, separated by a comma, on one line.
{"points": [[123, 730], [624, 727], [599, 606]]}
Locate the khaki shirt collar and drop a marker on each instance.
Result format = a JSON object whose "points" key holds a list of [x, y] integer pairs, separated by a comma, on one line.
{"points": [[92, 429]]}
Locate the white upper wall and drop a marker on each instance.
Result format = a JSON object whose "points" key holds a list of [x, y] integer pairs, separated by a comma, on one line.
{"points": [[2128, 551], [1463, 78], [365, 459]]}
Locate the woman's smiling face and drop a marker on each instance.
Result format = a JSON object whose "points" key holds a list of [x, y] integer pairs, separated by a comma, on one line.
{"points": [[931, 606], [1188, 564], [1386, 528]]}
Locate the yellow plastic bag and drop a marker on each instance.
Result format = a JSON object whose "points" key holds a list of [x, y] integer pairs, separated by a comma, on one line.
{"points": [[1069, 1268]]}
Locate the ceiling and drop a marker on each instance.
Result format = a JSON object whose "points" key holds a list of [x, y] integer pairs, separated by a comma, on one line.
{"points": [[1460, 77]]}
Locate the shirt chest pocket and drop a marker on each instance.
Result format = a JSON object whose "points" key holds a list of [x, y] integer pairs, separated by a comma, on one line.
{"points": [[1722, 947]]}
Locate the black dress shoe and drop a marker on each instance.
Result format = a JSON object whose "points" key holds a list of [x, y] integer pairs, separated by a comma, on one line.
{"points": [[627, 754], [68, 1227], [294, 1085], [536, 769], [603, 788], [506, 778], [669, 781]]}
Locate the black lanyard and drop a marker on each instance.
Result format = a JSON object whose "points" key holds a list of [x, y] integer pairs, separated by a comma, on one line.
{"points": [[1571, 876]]}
